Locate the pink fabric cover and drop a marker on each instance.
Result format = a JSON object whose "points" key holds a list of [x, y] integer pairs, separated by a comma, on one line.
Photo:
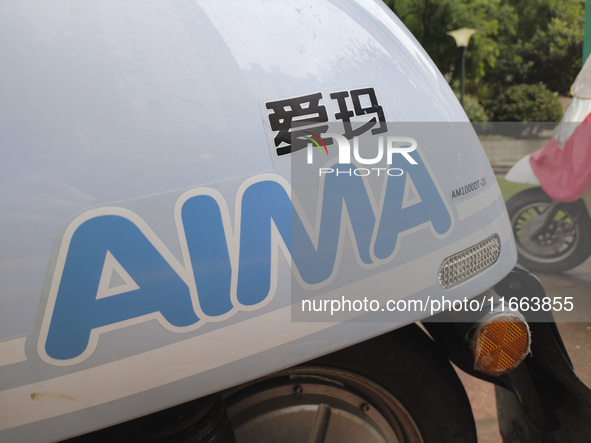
{"points": [[564, 174]]}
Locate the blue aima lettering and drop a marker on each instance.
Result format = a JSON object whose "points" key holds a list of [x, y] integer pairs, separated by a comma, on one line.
{"points": [[403, 208], [223, 271], [80, 308]]}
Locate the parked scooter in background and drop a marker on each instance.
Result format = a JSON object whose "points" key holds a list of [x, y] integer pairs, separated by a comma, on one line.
{"points": [[551, 221]]}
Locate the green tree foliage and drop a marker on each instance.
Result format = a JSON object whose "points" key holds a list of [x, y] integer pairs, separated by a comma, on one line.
{"points": [[527, 103], [548, 46], [430, 20], [518, 41]]}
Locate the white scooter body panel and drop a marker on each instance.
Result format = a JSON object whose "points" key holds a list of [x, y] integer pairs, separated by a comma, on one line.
{"points": [[522, 172], [137, 135]]}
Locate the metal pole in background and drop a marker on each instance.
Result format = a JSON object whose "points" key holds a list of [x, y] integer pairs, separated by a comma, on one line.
{"points": [[462, 37], [463, 75]]}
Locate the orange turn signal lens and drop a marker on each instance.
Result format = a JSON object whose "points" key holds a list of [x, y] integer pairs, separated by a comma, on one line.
{"points": [[500, 344]]}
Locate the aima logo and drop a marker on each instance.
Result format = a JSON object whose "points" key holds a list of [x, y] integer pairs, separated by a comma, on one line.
{"points": [[387, 147], [113, 271]]}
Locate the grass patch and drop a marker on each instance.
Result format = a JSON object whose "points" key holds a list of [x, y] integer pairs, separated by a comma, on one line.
{"points": [[508, 189]]}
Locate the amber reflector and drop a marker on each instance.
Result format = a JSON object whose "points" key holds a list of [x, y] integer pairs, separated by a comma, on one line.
{"points": [[500, 345]]}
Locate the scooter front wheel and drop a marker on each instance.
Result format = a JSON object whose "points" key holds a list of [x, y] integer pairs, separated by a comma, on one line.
{"points": [[398, 387], [550, 236]]}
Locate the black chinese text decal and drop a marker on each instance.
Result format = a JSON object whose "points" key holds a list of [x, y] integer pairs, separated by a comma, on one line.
{"points": [[297, 116]]}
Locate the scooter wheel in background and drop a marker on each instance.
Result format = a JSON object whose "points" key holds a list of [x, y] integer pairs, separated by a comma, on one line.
{"points": [[554, 245]]}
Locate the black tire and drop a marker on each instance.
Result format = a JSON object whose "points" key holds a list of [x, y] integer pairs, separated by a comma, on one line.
{"points": [[400, 377], [567, 242]]}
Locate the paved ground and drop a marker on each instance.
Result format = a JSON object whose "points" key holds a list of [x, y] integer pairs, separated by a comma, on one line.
{"points": [[575, 328]]}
